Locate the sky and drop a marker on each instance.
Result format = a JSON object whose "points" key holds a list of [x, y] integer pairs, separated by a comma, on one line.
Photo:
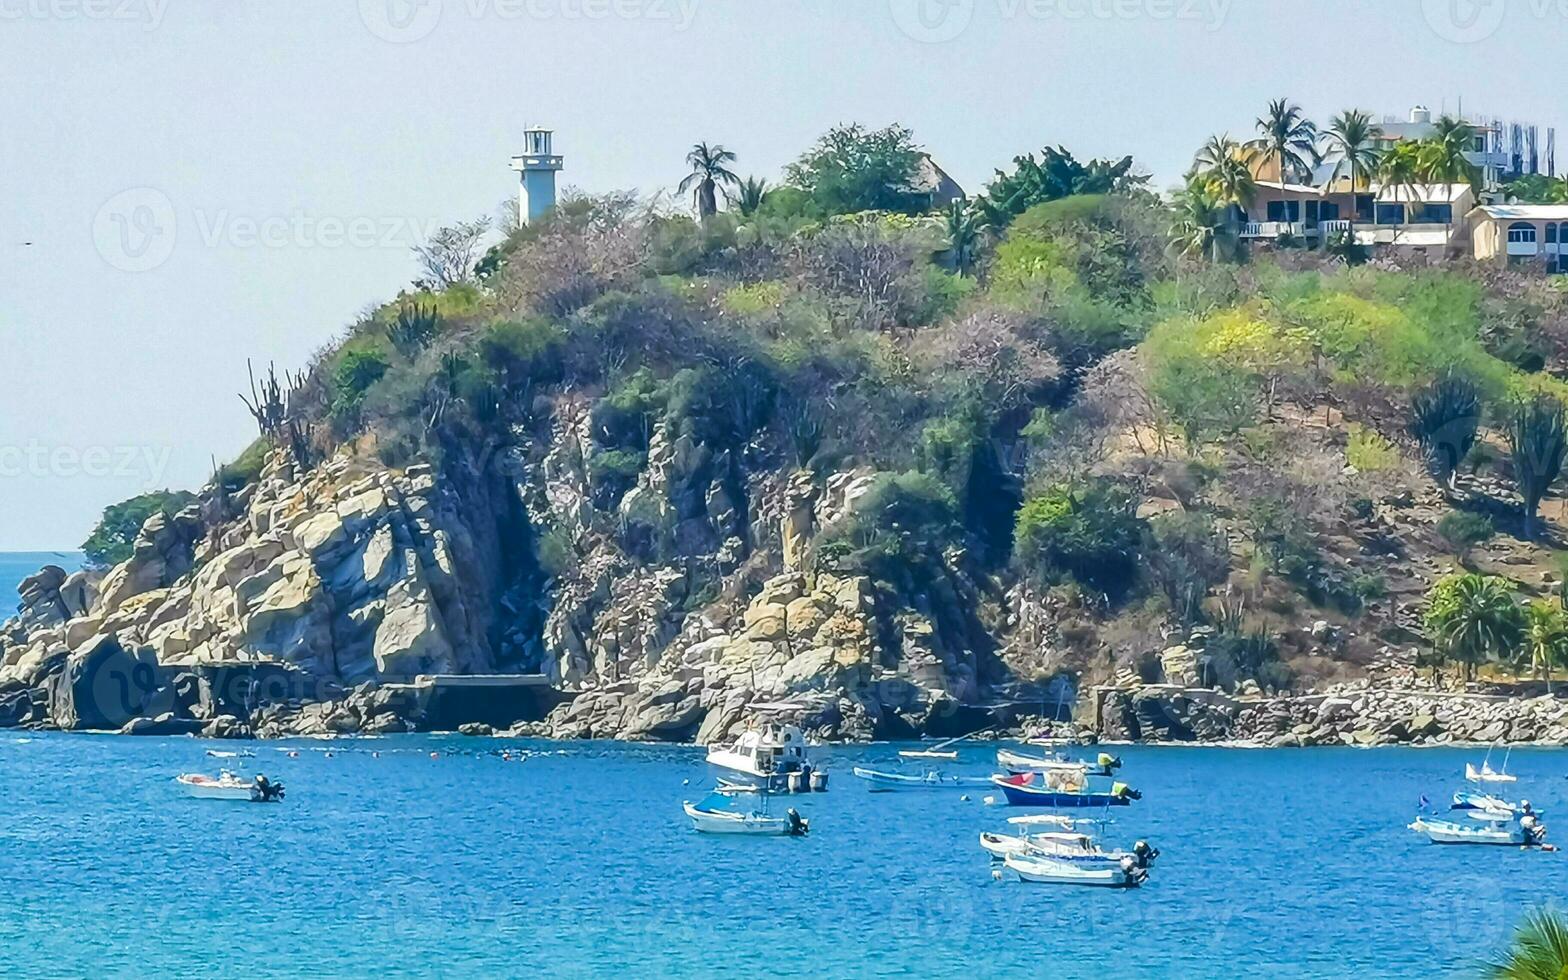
{"points": [[185, 184]]}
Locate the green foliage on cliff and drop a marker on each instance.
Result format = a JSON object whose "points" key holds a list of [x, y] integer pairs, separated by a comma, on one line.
{"points": [[1087, 534], [111, 541]]}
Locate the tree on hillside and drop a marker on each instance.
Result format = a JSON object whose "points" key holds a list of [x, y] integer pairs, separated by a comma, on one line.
{"points": [[452, 254], [965, 228], [852, 168], [111, 541], [709, 172], [1354, 137], [1289, 139], [1539, 950], [1197, 220], [1054, 176], [750, 195], [1443, 419], [1224, 167], [1473, 618], [1546, 638], [1538, 438]]}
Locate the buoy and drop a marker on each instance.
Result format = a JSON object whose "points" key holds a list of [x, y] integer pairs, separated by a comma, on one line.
{"points": [[964, 798], [435, 755], [375, 755], [996, 874], [685, 782]]}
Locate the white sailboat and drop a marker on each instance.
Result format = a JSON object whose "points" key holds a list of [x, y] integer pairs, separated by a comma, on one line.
{"points": [[1486, 774]]}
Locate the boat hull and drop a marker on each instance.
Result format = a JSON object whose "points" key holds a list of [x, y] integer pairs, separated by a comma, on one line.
{"points": [[736, 824], [211, 789], [1026, 795], [1051, 872], [887, 782], [1497, 835]]}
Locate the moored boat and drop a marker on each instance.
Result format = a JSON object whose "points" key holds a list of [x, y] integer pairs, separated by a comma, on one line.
{"points": [[227, 786], [882, 782], [1016, 762], [1052, 871], [1062, 789], [765, 756], [718, 814], [1505, 831]]}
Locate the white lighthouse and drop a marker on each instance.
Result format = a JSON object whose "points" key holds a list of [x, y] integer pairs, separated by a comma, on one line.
{"points": [[538, 166]]}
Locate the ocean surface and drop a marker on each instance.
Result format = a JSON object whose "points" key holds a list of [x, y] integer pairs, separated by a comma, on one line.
{"points": [[579, 862], [17, 565]]}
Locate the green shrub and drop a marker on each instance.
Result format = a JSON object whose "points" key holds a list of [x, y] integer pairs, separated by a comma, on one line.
{"points": [[246, 467], [356, 370], [556, 555], [612, 472], [625, 416], [1462, 530], [1187, 555], [111, 541], [897, 531], [1090, 535], [523, 351], [1369, 452]]}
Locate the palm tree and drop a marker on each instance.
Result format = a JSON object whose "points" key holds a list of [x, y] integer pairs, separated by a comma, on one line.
{"points": [[708, 174], [1445, 160], [1473, 618], [1198, 220], [1353, 134], [1224, 166], [1403, 168], [1287, 137], [750, 195], [965, 229], [1539, 950], [1546, 635]]}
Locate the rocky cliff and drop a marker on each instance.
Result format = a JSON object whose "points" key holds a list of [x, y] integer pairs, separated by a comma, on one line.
{"points": [[312, 601]]}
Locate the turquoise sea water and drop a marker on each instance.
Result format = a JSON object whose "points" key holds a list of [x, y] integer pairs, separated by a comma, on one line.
{"points": [[579, 862], [17, 565]]}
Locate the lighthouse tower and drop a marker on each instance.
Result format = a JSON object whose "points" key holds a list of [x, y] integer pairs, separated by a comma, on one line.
{"points": [[538, 166]]}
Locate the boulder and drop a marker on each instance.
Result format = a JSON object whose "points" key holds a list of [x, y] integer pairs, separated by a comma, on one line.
{"points": [[164, 724]]}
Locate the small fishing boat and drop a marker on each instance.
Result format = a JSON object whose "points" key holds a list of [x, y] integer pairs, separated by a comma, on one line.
{"points": [[227, 786], [883, 782], [718, 814], [1078, 848], [1051, 871], [1488, 802], [220, 754], [1062, 789], [1505, 830], [1016, 762]]}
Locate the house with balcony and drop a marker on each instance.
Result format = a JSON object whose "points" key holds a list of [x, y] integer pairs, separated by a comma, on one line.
{"points": [[1425, 218], [1521, 235]]}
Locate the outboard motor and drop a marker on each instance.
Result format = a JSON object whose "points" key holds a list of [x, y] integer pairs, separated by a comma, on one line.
{"points": [[1109, 763], [1126, 792], [1143, 854], [798, 827], [266, 791]]}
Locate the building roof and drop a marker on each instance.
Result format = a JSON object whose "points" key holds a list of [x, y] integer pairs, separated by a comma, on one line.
{"points": [[1422, 193], [932, 179], [1527, 212]]}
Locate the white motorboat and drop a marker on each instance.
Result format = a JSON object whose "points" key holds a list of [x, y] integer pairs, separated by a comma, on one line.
{"points": [[227, 786], [1052, 871], [1505, 830], [718, 814], [765, 755], [1072, 846]]}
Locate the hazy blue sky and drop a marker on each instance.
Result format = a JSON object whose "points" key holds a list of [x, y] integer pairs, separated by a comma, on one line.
{"points": [[203, 182]]}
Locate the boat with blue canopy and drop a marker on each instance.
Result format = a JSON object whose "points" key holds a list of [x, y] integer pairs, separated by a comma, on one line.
{"points": [[883, 782]]}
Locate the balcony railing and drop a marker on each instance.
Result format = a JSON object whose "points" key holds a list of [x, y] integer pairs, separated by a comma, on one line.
{"points": [[1276, 229]]}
